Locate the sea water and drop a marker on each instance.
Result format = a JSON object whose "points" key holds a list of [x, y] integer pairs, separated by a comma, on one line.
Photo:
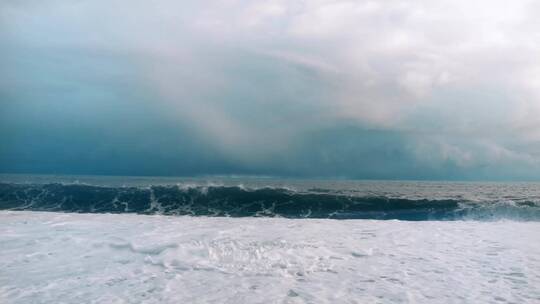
{"points": [[77, 239]]}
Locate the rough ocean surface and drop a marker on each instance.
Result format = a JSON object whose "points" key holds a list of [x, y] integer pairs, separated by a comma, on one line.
{"points": [[417, 201], [49, 257]]}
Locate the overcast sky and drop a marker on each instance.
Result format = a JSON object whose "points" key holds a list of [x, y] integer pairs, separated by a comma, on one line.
{"points": [[359, 89]]}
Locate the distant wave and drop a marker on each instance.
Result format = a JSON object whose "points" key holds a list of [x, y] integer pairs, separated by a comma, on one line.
{"points": [[238, 201]]}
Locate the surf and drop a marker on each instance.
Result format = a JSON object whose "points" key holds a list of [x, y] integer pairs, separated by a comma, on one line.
{"points": [[242, 201]]}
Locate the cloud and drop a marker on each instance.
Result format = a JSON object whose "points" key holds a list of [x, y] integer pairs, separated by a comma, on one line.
{"points": [[255, 78]]}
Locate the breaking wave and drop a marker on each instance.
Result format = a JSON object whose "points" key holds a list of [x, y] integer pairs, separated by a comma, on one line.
{"points": [[238, 201]]}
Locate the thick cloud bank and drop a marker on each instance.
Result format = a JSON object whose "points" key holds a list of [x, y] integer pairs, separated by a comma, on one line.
{"points": [[369, 89]]}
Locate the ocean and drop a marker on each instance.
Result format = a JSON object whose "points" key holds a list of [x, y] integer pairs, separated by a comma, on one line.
{"points": [[95, 239]]}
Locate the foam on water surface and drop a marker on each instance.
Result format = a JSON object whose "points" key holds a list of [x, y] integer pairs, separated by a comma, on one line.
{"points": [[127, 258]]}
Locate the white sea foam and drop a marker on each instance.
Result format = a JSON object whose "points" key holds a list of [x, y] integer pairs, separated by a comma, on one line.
{"points": [[103, 258]]}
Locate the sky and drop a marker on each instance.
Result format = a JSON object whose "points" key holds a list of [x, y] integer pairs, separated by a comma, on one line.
{"points": [[414, 89]]}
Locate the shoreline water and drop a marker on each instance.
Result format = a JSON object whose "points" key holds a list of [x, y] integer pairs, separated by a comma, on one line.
{"points": [[48, 257]]}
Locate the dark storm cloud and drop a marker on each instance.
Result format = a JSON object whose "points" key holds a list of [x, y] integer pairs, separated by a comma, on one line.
{"points": [[366, 89]]}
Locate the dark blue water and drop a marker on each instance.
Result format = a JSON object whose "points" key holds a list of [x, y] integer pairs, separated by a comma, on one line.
{"points": [[252, 197]]}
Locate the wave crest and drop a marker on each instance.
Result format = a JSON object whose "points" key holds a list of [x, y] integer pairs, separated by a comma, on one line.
{"points": [[239, 201]]}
